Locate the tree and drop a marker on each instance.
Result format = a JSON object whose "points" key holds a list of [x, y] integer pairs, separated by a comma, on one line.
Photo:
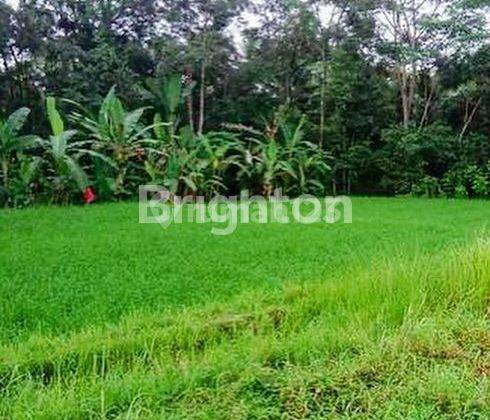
{"points": [[465, 96], [416, 34], [359, 105], [59, 45], [201, 24]]}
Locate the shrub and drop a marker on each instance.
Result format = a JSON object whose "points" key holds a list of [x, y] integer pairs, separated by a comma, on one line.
{"points": [[468, 181]]}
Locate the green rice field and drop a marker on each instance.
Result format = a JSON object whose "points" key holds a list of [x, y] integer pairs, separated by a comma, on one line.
{"points": [[387, 317]]}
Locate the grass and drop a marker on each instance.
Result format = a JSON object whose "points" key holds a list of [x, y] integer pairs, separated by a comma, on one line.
{"points": [[106, 318]]}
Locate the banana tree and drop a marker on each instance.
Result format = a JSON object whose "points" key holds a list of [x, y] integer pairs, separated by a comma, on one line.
{"points": [[119, 134], [11, 142], [306, 159], [264, 157], [311, 170], [219, 153], [62, 155], [166, 98], [280, 155], [24, 185], [186, 164], [182, 172], [273, 167], [196, 164]]}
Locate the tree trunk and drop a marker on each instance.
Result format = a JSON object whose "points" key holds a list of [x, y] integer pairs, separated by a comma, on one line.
{"points": [[287, 97], [428, 103], [469, 120], [412, 86], [202, 90], [190, 106], [405, 92], [322, 99]]}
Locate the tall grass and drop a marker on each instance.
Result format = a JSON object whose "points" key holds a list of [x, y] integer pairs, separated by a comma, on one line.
{"points": [[406, 337]]}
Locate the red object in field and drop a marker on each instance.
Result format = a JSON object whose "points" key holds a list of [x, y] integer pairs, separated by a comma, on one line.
{"points": [[89, 195]]}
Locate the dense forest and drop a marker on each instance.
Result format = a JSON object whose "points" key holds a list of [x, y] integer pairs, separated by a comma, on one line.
{"points": [[215, 96]]}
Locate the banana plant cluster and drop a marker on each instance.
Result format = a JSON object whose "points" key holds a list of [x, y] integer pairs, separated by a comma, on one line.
{"points": [[64, 163], [279, 156]]}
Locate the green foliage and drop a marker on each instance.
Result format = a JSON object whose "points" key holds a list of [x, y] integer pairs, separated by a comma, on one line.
{"points": [[196, 164], [54, 117], [24, 185], [281, 157], [427, 187], [106, 318], [431, 162], [12, 143], [359, 106], [120, 135], [166, 97], [61, 156], [380, 97], [468, 181]]}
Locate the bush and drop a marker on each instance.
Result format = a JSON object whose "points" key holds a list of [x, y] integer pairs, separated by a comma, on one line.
{"points": [[412, 158], [428, 186], [468, 181]]}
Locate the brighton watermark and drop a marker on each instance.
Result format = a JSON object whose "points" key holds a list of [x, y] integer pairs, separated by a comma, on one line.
{"points": [[158, 206]]}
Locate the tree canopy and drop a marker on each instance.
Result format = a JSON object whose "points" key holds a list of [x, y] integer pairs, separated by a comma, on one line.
{"points": [[391, 96]]}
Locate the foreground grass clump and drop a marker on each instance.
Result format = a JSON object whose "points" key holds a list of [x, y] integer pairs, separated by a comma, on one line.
{"points": [[401, 338]]}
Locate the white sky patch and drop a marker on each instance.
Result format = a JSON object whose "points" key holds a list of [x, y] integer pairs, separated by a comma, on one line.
{"points": [[326, 13]]}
